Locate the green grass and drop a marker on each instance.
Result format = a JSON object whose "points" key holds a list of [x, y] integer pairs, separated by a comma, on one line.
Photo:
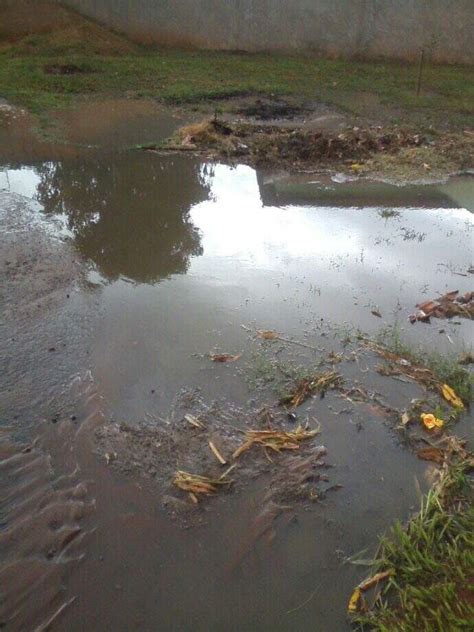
{"points": [[185, 76], [446, 368], [430, 561]]}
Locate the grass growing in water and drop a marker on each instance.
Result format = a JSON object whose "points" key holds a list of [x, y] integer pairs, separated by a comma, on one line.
{"points": [[445, 368], [429, 563]]}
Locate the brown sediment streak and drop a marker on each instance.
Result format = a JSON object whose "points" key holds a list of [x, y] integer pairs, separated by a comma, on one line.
{"points": [[46, 513]]}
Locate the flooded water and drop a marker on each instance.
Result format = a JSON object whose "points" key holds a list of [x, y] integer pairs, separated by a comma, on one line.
{"points": [[131, 267]]}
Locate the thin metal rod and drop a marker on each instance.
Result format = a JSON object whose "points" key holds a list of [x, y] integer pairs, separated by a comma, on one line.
{"points": [[420, 72]]}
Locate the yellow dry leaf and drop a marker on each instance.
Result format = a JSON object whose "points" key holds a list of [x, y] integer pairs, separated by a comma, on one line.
{"points": [[357, 167], [430, 421], [354, 601], [451, 397]]}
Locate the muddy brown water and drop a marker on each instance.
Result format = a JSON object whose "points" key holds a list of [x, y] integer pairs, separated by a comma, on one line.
{"points": [[122, 271]]}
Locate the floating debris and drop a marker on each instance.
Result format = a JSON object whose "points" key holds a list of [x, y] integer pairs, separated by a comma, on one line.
{"points": [[307, 386], [449, 305], [431, 453], [195, 484], [276, 440], [217, 454], [466, 358], [224, 357], [450, 396], [430, 421], [354, 601], [266, 334], [191, 419]]}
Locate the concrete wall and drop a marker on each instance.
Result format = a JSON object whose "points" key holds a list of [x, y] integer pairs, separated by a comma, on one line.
{"points": [[366, 28]]}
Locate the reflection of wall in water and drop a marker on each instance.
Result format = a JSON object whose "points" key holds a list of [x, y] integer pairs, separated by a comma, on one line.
{"points": [[129, 214], [283, 190]]}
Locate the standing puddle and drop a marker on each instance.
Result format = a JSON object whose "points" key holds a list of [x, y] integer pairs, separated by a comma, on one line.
{"points": [[178, 259]]}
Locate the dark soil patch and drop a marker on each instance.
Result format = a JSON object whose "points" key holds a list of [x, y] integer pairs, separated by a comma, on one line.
{"points": [[267, 110], [66, 69]]}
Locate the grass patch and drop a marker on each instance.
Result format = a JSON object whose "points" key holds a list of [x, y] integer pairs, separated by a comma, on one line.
{"points": [[429, 563], [445, 368], [188, 76], [280, 375]]}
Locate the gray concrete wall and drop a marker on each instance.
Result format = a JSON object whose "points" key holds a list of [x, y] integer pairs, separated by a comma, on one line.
{"points": [[365, 28]]}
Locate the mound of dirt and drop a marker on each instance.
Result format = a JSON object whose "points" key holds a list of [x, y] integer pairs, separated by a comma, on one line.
{"points": [[284, 146], [44, 26], [406, 154]]}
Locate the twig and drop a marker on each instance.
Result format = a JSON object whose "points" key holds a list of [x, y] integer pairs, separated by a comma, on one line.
{"points": [[302, 605], [217, 454]]}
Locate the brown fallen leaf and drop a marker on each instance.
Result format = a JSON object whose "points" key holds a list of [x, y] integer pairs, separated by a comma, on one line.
{"points": [[431, 453], [427, 307], [266, 334], [224, 357], [450, 296], [466, 358], [466, 298], [375, 312]]}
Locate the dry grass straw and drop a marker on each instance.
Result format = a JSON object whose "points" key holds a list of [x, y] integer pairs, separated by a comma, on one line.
{"points": [[307, 386], [276, 440], [195, 484]]}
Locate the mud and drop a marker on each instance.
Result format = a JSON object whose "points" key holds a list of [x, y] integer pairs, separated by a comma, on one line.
{"points": [[33, 258], [88, 128], [158, 451]]}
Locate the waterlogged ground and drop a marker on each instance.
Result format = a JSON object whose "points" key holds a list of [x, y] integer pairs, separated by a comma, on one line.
{"points": [[121, 273]]}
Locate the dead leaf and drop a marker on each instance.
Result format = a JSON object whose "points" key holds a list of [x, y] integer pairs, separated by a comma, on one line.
{"points": [[431, 454], [466, 358], [450, 296], [450, 396], [405, 418], [376, 313], [354, 601], [265, 334], [224, 357], [375, 579], [427, 307]]}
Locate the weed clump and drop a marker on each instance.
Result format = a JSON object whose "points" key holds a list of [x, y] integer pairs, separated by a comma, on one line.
{"points": [[427, 565]]}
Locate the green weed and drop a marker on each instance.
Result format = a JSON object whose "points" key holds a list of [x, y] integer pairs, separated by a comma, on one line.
{"points": [[430, 561], [445, 368]]}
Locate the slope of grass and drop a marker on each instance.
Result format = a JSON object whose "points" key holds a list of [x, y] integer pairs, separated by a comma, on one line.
{"points": [[429, 562]]}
